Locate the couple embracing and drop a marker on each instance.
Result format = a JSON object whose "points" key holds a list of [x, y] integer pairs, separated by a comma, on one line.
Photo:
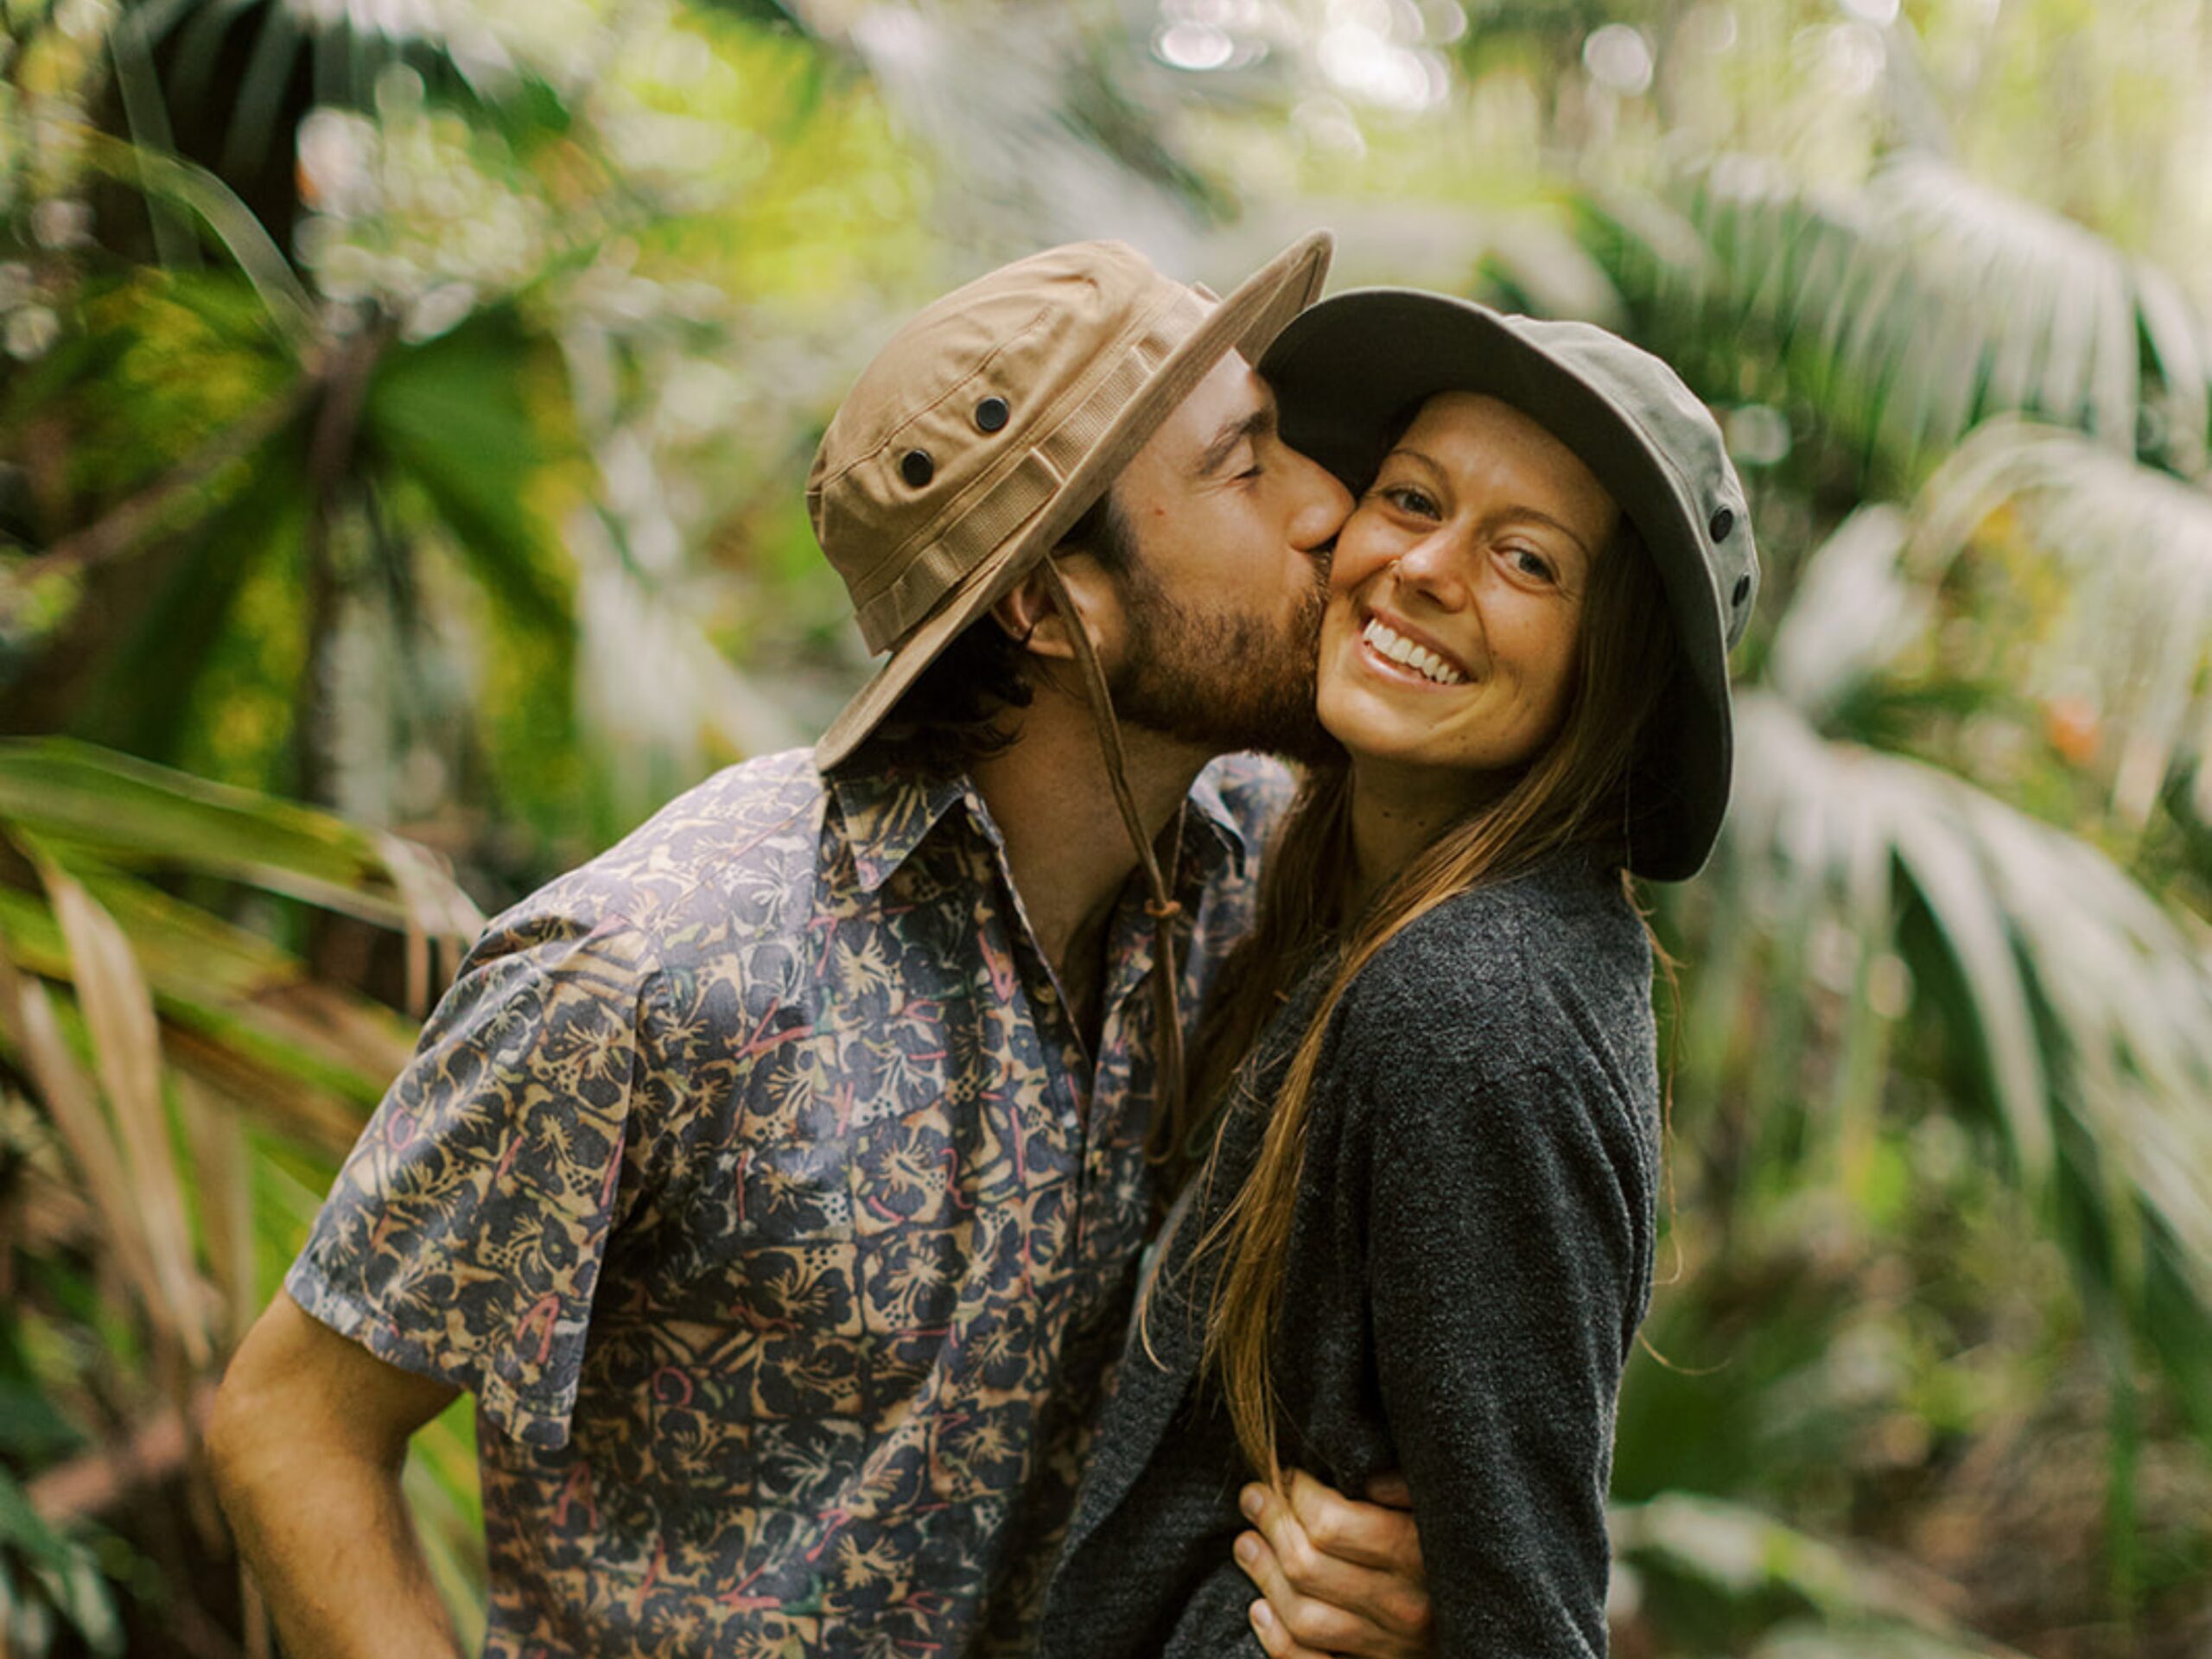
{"points": [[845, 1249]]}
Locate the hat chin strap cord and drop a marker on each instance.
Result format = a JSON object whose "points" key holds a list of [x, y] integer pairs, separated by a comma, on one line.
{"points": [[1164, 1135]]}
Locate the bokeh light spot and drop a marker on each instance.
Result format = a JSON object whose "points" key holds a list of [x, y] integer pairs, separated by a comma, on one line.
{"points": [[1193, 46], [1617, 56]]}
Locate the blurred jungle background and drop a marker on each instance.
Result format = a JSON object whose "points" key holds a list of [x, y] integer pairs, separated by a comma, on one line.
{"points": [[404, 413]]}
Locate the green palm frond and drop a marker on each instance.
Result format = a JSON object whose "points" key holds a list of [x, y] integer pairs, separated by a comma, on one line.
{"points": [[189, 1072], [1760, 1586], [1023, 107], [2077, 1010], [1852, 613], [50, 1582], [260, 61], [2131, 634], [1912, 309], [129, 814], [290, 309]]}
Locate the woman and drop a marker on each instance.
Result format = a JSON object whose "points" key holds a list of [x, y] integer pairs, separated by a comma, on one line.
{"points": [[1421, 1237]]}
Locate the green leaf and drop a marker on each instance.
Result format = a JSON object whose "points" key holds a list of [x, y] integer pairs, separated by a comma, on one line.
{"points": [[153, 685], [63, 1570], [2079, 1009], [1922, 302], [2132, 630], [135, 813], [1748, 1557], [451, 418], [289, 308]]}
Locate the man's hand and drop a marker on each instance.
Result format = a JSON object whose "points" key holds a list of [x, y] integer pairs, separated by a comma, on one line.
{"points": [[1336, 1576]]}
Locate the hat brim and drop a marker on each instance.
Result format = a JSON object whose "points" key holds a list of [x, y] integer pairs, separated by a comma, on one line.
{"points": [[1247, 321], [1351, 369]]}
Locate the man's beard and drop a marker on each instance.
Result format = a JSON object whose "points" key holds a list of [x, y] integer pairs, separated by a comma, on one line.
{"points": [[1221, 681]]}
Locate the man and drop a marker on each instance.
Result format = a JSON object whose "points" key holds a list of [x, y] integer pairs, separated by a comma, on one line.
{"points": [[776, 1181]]}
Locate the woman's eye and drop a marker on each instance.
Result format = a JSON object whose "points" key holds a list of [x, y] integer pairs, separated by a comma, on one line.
{"points": [[1410, 499], [1531, 563]]}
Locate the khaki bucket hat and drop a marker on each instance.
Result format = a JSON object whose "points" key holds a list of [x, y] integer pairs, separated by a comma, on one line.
{"points": [[995, 419]]}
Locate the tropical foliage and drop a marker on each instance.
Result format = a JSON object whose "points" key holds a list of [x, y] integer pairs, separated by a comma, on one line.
{"points": [[404, 416]]}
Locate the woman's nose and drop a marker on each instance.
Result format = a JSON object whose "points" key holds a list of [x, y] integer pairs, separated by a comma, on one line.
{"points": [[1436, 566]]}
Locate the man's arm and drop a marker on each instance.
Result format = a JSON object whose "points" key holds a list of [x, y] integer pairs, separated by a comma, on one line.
{"points": [[1336, 1575], [307, 1441]]}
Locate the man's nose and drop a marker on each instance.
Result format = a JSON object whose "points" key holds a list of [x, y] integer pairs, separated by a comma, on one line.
{"points": [[1323, 504]]}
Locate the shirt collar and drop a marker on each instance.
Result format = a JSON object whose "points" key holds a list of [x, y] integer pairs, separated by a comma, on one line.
{"points": [[890, 809], [1207, 807]]}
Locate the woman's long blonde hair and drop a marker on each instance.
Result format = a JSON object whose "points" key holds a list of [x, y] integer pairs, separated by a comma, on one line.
{"points": [[1574, 792]]}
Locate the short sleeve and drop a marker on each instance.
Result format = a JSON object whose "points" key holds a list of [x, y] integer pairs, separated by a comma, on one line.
{"points": [[463, 1238]]}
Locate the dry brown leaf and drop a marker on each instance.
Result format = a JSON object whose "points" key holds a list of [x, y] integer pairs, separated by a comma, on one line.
{"points": [[74, 1105], [222, 1157], [127, 1050]]}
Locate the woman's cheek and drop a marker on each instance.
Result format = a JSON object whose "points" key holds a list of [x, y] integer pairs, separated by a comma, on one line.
{"points": [[1360, 552]]}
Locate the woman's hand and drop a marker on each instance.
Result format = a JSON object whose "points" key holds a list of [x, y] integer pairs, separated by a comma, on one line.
{"points": [[1336, 1575]]}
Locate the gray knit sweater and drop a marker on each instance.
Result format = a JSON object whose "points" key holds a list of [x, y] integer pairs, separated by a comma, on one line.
{"points": [[1470, 1258]]}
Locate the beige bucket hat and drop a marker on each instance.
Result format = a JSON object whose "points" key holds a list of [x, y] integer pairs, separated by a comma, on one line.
{"points": [[995, 419]]}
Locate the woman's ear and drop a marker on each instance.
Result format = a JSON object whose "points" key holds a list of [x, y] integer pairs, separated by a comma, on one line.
{"points": [[1028, 615]]}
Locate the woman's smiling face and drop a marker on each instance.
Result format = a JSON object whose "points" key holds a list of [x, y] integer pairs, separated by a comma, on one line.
{"points": [[1457, 592]]}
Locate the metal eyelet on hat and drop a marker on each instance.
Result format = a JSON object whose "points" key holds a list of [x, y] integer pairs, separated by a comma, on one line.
{"points": [[916, 467], [1723, 522], [991, 414]]}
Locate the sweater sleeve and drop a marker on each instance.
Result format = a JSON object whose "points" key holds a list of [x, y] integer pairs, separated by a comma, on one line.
{"points": [[1509, 1231]]}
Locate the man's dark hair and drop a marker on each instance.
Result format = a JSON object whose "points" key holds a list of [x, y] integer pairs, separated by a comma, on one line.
{"points": [[951, 716]]}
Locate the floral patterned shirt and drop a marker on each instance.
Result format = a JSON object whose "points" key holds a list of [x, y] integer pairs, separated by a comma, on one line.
{"points": [[754, 1178]]}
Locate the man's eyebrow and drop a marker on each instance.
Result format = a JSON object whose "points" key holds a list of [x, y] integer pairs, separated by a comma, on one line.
{"points": [[1256, 425]]}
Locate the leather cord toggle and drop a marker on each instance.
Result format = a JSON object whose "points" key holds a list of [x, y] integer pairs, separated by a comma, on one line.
{"points": [[1165, 1134]]}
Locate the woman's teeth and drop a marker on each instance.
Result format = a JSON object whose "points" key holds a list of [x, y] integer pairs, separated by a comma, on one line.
{"points": [[1419, 658]]}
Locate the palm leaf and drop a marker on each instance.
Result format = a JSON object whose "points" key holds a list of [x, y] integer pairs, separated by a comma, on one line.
{"points": [[308, 1060], [240, 1016], [2133, 549], [1911, 309], [290, 308], [58, 1576], [125, 1038], [133, 812], [1851, 614], [38, 1039], [452, 419], [1769, 1583], [2078, 1010], [282, 55]]}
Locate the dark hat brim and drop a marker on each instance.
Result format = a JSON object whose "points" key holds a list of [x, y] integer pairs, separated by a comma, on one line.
{"points": [[1349, 372]]}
